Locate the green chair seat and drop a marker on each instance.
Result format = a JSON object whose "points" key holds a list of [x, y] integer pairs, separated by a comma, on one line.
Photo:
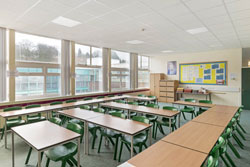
{"points": [[76, 121], [114, 111], [165, 121], [151, 118], [35, 118], [62, 152], [71, 101], [140, 138], [187, 109], [14, 122], [87, 98], [56, 103]]}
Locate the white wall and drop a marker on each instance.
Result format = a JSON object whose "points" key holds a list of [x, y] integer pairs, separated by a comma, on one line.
{"points": [[230, 94]]}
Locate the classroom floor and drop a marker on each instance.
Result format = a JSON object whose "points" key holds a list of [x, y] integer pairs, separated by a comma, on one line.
{"points": [[105, 158]]}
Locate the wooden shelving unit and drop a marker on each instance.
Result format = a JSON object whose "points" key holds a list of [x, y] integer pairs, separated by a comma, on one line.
{"points": [[168, 90]]}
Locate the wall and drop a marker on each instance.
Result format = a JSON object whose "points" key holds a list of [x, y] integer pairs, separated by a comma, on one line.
{"points": [[230, 94]]}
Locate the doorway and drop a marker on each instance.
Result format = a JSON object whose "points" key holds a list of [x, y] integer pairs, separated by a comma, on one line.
{"points": [[246, 88]]}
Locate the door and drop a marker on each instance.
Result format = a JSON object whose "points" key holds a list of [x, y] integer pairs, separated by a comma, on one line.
{"points": [[246, 88]]}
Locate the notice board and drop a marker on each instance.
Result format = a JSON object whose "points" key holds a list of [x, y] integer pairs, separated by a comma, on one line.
{"points": [[208, 73]]}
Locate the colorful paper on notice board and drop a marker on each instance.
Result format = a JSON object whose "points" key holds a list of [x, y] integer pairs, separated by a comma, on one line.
{"points": [[213, 73]]}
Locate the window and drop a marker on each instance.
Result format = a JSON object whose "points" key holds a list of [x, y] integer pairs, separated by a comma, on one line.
{"points": [[143, 72], [88, 69], [38, 66], [120, 70]]}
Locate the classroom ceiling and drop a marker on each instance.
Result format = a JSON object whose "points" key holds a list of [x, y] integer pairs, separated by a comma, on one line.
{"points": [[154, 25]]}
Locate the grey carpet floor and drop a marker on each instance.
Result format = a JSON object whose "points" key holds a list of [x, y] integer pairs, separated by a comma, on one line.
{"points": [[105, 158]]}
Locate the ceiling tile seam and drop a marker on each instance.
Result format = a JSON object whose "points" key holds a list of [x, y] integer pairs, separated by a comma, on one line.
{"points": [[175, 24], [201, 21], [28, 10], [236, 32]]}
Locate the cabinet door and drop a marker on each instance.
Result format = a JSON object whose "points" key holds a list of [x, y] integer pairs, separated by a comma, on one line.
{"points": [[152, 84]]}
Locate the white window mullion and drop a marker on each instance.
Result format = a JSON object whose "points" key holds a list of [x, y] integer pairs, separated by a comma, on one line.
{"points": [[3, 64]]}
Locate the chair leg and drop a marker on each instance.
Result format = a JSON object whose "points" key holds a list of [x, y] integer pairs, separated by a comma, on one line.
{"points": [[224, 160], [100, 143], [3, 131], [116, 145], [241, 135], [153, 130], [238, 141], [192, 115], [236, 153], [156, 130], [241, 127], [69, 162], [63, 163], [28, 156], [230, 159], [140, 148], [145, 145], [74, 161], [94, 138], [184, 116], [120, 153], [47, 163]]}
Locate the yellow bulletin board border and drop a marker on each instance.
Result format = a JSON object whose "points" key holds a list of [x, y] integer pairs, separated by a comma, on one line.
{"points": [[203, 63]]}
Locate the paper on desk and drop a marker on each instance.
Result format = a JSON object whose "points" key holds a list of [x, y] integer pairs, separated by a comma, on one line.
{"points": [[126, 164]]}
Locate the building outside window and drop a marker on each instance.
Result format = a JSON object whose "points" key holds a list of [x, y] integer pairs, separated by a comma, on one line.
{"points": [[120, 70], [38, 66], [143, 72], [88, 62]]}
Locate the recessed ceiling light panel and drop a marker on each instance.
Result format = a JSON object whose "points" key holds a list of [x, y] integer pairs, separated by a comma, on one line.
{"points": [[197, 30], [135, 42], [65, 22], [167, 51]]}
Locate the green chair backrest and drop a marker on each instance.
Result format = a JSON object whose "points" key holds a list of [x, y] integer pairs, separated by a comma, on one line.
{"points": [[142, 95], [100, 97], [118, 114], [85, 107], [169, 108], [133, 103], [152, 96], [12, 108], [75, 128], [210, 161], [33, 106], [216, 150], [56, 102], [56, 120], [87, 98], [152, 105], [111, 95], [227, 133], [205, 101], [100, 110], [140, 119], [190, 100], [71, 101], [231, 123], [120, 101]]}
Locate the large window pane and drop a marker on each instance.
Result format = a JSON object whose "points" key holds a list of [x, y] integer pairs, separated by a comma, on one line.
{"points": [[35, 48], [120, 59], [82, 54], [143, 79], [96, 56], [88, 80], [145, 62], [53, 84], [29, 70], [29, 85]]}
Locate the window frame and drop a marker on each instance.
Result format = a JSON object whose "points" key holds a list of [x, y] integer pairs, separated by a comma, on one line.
{"points": [[143, 69]]}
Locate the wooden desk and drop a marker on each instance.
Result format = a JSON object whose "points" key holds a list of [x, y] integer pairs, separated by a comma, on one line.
{"points": [[42, 136], [163, 154], [180, 94], [205, 105], [140, 98], [143, 109], [224, 109], [196, 136]]}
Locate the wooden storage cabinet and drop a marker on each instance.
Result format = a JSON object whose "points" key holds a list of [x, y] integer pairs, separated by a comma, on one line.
{"points": [[155, 79], [168, 90]]}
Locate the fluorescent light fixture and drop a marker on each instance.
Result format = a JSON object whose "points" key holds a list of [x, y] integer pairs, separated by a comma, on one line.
{"points": [[215, 46], [197, 30], [167, 51], [135, 42], [65, 22]]}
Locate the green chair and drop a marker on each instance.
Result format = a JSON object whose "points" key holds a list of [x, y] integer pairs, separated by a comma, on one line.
{"points": [[100, 97], [12, 122], [234, 128], [139, 140], [237, 117], [77, 121], [210, 161], [36, 117], [111, 95], [71, 101], [141, 102], [110, 111], [201, 110], [132, 114], [56, 103], [54, 120], [238, 120], [165, 121], [87, 98], [154, 101], [111, 134], [65, 153], [187, 109], [152, 118]]}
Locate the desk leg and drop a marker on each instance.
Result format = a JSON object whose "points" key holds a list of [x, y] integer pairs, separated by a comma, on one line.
{"points": [[150, 136], [47, 115], [5, 133], [39, 159], [78, 152], [13, 150], [131, 147], [128, 114], [179, 120], [170, 128], [86, 138]]}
